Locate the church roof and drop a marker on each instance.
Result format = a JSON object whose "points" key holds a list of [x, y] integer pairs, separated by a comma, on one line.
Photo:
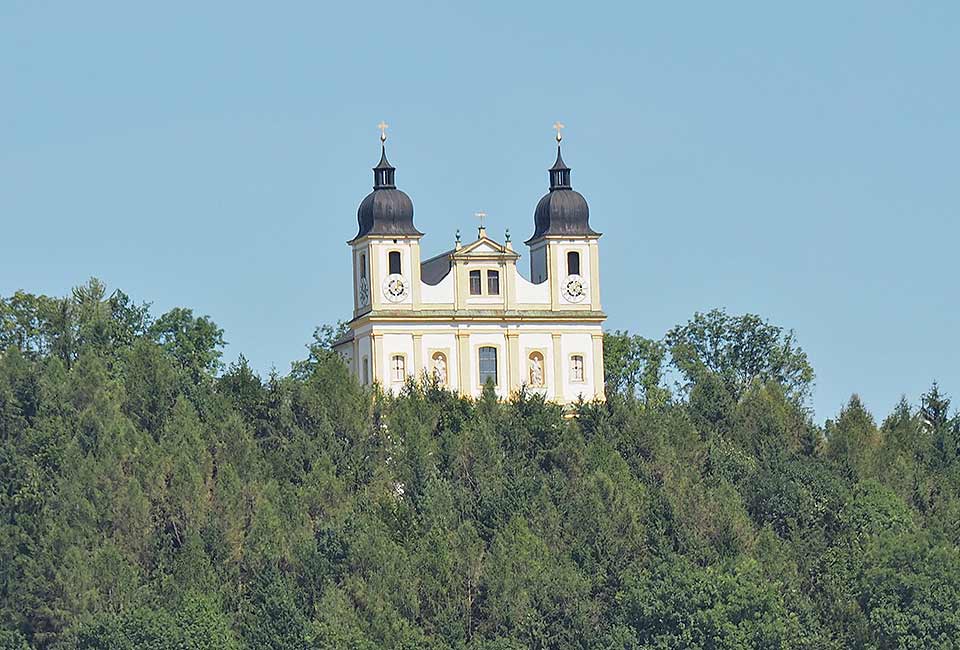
{"points": [[562, 211], [386, 211], [435, 269]]}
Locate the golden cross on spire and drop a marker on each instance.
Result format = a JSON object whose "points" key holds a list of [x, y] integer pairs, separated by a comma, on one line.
{"points": [[383, 126], [558, 126], [481, 215]]}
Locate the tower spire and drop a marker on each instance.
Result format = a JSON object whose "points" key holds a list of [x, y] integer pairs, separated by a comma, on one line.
{"points": [[559, 173], [383, 173]]}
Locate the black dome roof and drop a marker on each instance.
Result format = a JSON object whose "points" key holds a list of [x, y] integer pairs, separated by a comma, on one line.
{"points": [[386, 210], [562, 211]]}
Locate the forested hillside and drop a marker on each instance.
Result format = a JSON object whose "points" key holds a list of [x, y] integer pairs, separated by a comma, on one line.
{"points": [[153, 498]]}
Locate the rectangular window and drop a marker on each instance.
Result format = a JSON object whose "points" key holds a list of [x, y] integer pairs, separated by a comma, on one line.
{"points": [[576, 368], [398, 365], [475, 283], [488, 365], [573, 263], [363, 266], [493, 283], [366, 371], [393, 261]]}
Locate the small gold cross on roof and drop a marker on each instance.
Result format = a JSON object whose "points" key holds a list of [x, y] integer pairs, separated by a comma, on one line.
{"points": [[558, 126], [383, 126], [481, 215]]}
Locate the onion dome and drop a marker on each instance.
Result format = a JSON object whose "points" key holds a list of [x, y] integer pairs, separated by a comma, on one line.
{"points": [[562, 211], [386, 211]]}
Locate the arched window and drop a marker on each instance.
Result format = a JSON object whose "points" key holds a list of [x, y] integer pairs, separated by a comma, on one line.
{"points": [[366, 371], [573, 263], [488, 365], [576, 368], [394, 262], [398, 367], [475, 283], [535, 370], [493, 283], [363, 266]]}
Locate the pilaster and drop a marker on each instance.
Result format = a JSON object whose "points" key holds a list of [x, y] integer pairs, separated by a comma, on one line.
{"points": [[559, 393], [415, 273], [598, 384], [509, 273], [460, 289], [463, 363], [417, 355], [594, 286], [376, 346], [553, 275], [375, 278], [355, 363], [513, 361]]}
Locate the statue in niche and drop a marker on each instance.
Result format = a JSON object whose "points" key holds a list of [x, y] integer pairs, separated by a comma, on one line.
{"points": [[440, 369], [536, 370]]}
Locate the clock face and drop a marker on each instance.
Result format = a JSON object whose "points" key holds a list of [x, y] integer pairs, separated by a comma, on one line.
{"points": [[394, 287], [574, 288], [364, 291]]}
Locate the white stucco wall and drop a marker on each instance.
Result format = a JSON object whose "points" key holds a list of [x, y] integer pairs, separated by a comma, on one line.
{"points": [[396, 344], [497, 340], [559, 267], [363, 352], [532, 294], [445, 342], [441, 293], [382, 250], [571, 344]]}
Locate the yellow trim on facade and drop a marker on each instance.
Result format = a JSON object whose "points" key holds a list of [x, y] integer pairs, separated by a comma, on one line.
{"points": [[406, 367], [375, 344], [594, 286], [431, 353], [501, 371], [417, 354], [583, 367], [415, 272], [544, 358], [463, 363], [598, 383], [513, 370], [557, 367]]}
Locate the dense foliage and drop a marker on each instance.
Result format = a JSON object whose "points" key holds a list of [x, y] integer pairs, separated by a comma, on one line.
{"points": [[152, 498]]}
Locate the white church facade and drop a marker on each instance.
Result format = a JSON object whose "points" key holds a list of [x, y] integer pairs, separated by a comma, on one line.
{"points": [[468, 316]]}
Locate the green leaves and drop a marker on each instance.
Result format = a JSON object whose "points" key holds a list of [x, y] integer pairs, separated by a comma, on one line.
{"points": [[740, 350], [194, 342], [634, 365], [150, 499]]}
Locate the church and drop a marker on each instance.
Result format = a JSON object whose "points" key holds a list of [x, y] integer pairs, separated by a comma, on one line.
{"points": [[468, 317]]}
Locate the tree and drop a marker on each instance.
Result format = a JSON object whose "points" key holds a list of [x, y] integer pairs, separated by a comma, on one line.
{"points": [[739, 350], [634, 365], [194, 342], [853, 439], [146, 502], [11, 640], [675, 604]]}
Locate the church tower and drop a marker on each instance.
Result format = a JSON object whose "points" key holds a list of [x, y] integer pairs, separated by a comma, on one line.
{"points": [[466, 318], [386, 249], [564, 249]]}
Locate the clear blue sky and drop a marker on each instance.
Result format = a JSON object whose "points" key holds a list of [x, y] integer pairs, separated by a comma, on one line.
{"points": [[796, 162]]}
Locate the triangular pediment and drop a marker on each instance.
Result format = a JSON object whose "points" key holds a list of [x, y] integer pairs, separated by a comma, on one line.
{"points": [[485, 247]]}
